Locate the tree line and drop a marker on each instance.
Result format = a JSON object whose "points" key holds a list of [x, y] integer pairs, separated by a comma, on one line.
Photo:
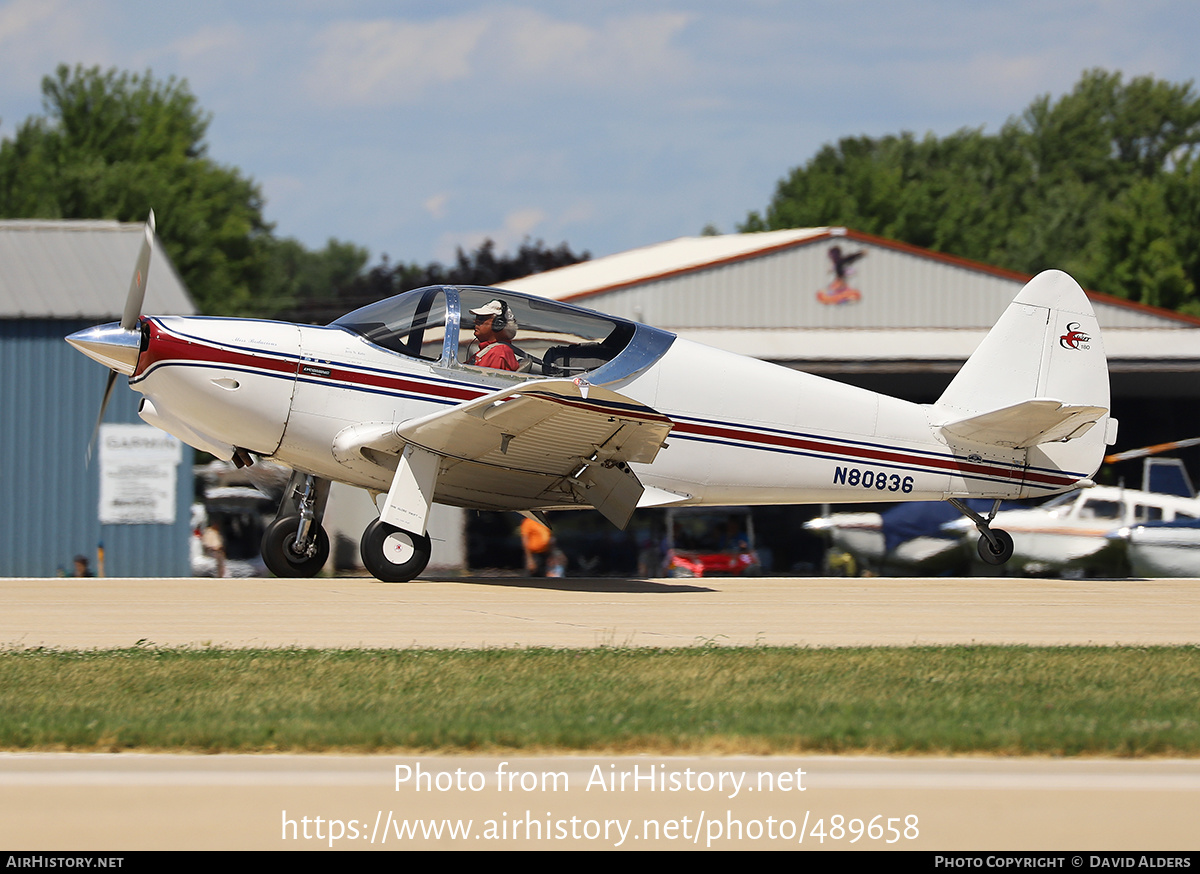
{"points": [[1102, 182], [482, 266], [111, 144]]}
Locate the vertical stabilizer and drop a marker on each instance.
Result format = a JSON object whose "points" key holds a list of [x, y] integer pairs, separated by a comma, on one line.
{"points": [[1045, 348]]}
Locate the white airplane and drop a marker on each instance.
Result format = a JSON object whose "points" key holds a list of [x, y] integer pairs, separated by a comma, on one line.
{"points": [[1080, 532], [1162, 549], [602, 412], [1156, 547], [906, 539], [1071, 532]]}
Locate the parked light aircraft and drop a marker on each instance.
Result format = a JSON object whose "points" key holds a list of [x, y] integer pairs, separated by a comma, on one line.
{"points": [[906, 539], [1074, 533], [1162, 549], [1159, 548], [603, 412], [1069, 534]]}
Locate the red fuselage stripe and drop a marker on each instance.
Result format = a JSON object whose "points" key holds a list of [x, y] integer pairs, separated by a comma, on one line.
{"points": [[165, 347]]}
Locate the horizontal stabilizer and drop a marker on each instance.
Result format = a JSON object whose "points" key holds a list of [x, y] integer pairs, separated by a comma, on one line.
{"points": [[1029, 423]]}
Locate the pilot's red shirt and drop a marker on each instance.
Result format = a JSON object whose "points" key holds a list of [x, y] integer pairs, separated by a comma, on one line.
{"points": [[499, 356]]}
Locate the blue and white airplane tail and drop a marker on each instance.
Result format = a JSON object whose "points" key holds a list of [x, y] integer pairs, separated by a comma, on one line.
{"points": [[1037, 386]]}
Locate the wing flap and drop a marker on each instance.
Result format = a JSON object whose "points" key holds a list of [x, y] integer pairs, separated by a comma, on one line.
{"points": [[543, 427], [614, 490], [1029, 423], [544, 443]]}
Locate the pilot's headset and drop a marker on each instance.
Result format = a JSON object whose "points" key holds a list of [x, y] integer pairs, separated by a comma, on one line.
{"points": [[505, 324]]}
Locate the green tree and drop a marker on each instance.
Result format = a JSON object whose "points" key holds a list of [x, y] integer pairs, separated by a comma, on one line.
{"points": [[1100, 182], [479, 267], [297, 276], [114, 145], [1146, 243]]}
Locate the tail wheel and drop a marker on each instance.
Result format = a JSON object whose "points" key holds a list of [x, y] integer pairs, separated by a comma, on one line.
{"points": [[392, 554], [282, 555], [999, 554]]}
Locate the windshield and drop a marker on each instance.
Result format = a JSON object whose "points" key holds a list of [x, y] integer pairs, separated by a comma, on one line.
{"points": [[1061, 505], [499, 333], [1094, 508], [412, 324], [527, 336]]}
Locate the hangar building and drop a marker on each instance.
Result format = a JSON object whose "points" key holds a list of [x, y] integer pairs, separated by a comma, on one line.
{"points": [[57, 278], [902, 321], [899, 319]]}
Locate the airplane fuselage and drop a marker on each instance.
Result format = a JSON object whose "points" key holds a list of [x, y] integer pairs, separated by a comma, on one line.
{"points": [[600, 412], [744, 431], [582, 409]]}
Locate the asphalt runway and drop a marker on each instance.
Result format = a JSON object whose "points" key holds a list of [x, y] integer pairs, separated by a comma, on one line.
{"points": [[483, 612], [125, 802]]}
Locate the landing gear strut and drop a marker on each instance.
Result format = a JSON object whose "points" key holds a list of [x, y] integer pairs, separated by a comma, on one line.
{"points": [[995, 546], [392, 554], [295, 544]]}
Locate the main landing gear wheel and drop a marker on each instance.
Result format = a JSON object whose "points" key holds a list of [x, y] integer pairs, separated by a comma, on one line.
{"points": [[1001, 552], [392, 554], [285, 558]]}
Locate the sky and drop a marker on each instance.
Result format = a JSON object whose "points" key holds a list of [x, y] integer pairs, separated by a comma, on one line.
{"points": [[413, 128]]}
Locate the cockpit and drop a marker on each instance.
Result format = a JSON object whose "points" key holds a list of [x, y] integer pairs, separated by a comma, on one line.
{"points": [[546, 338]]}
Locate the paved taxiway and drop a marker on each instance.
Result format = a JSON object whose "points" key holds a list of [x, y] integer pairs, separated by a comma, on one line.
{"points": [[130, 801], [133, 801], [354, 612]]}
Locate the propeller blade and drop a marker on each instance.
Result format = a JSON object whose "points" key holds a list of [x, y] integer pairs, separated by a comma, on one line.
{"points": [[137, 287], [1151, 450], [96, 339], [108, 387]]}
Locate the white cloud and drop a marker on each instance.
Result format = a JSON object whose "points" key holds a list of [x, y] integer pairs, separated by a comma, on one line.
{"points": [[516, 226], [436, 206], [577, 213], [617, 52], [520, 224], [19, 18], [222, 62], [220, 40], [391, 61], [397, 62], [37, 35]]}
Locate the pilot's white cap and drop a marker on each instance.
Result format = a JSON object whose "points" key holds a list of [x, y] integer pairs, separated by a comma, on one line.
{"points": [[491, 308]]}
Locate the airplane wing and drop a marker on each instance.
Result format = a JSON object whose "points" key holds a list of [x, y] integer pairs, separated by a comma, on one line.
{"points": [[1029, 423], [544, 443]]}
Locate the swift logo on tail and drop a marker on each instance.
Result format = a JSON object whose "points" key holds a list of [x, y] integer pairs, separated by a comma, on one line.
{"points": [[1075, 338]]}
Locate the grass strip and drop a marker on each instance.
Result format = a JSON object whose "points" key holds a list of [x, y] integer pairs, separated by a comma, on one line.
{"points": [[1119, 701]]}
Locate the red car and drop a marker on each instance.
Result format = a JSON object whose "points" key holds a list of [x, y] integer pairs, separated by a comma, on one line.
{"points": [[703, 542], [698, 564]]}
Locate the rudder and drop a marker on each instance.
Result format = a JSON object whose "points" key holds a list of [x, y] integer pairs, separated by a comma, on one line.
{"points": [[1045, 347]]}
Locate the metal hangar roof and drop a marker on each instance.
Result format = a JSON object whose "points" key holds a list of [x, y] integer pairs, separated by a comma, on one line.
{"points": [[80, 270], [778, 295]]}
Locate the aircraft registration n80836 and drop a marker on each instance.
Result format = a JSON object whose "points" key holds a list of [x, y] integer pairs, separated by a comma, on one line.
{"points": [[602, 412]]}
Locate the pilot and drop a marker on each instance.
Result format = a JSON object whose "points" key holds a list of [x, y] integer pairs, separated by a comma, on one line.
{"points": [[494, 328]]}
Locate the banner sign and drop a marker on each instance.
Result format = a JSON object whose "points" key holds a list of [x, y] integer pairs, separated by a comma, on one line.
{"points": [[139, 468]]}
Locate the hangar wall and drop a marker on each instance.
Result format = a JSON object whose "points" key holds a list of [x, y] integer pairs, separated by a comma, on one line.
{"points": [[917, 317], [57, 277], [49, 494]]}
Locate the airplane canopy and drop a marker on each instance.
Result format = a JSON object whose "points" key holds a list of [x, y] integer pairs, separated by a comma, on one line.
{"points": [[549, 338]]}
